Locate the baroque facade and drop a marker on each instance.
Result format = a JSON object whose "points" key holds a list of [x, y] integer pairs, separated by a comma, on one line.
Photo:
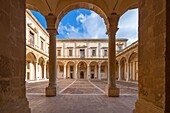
{"points": [[76, 58]]}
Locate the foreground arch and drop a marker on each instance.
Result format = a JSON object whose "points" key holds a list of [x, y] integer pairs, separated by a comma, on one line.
{"points": [[153, 96]]}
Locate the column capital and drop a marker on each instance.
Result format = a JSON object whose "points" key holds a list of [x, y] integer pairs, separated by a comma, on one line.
{"points": [[51, 20], [52, 31], [113, 23]]}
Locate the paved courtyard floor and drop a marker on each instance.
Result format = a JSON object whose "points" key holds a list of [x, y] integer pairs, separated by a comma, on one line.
{"points": [[81, 96]]}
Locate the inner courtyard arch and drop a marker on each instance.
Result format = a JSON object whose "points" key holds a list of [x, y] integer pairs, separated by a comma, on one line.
{"points": [[41, 67], [93, 70], [31, 61], [82, 70], [133, 60], [104, 70], [123, 64], [71, 70]]}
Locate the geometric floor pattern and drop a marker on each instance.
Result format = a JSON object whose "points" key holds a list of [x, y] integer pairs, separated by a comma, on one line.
{"points": [[81, 96]]}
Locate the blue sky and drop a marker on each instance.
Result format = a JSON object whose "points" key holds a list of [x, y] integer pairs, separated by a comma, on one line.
{"points": [[84, 23]]}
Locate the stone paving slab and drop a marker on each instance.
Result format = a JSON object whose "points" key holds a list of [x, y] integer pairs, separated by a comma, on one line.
{"points": [[82, 87], [125, 88], [79, 97], [82, 104]]}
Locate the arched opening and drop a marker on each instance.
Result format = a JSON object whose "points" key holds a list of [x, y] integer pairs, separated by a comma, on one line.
{"points": [[60, 69], [84, 5], [93, 70], [82, 70], [31, 66], [41, 64], [70, 70], [104, 70], [133, 60], [123, 64]]}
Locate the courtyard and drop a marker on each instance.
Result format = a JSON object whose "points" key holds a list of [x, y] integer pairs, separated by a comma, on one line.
{"points": [[81, 96]]}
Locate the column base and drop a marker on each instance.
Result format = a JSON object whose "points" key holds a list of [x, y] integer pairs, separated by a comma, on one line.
{"points": [[112, 91], [142, 106], [51, 91]]}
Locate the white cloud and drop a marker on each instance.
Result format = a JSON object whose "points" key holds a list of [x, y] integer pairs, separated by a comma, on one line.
{"points": [[128, 26], [91, 26]]}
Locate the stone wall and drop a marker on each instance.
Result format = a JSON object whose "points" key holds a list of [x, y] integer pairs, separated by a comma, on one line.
{"points": [[167, 106], [12, 57], [152, 43]]}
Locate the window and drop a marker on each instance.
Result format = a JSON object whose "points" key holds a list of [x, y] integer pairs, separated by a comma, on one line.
{"points": [[105, 53], [92, 68], [42, 45], [93, 52], [58, 52], [119, 48], [102, 68], [82, 55], [71, 68], [31, 38], [61, 68], [70, 53]]}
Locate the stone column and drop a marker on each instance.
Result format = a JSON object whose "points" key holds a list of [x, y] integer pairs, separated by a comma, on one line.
{"points": [[119, 71], [51, 90], [111, 89], [76, 72], [36, 71], [128, 70], [88, 71], [45, 76], [65, 71], [99, 70]]}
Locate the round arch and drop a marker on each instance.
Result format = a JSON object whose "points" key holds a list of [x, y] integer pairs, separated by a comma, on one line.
{"points": [[41, 63], [104, 70], [31, 56], [82, 70], [60, 69], [86, 5], [133, 61], [123, 65], [93, 70], [70, 69], [31, 66]]}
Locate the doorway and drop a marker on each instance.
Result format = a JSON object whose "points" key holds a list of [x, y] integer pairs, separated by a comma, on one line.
{"points": [[82, 75]]}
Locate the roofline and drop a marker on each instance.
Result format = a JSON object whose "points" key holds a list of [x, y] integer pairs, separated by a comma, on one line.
{"points": [[89, 39]]}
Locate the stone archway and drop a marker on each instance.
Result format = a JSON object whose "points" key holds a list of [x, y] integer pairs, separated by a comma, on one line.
{"points": [[104, 70], [60, 69], [133, 60], [70, 70], [123, 64], [93, 70], [41, 63], [31, 61], [82, 70]]}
